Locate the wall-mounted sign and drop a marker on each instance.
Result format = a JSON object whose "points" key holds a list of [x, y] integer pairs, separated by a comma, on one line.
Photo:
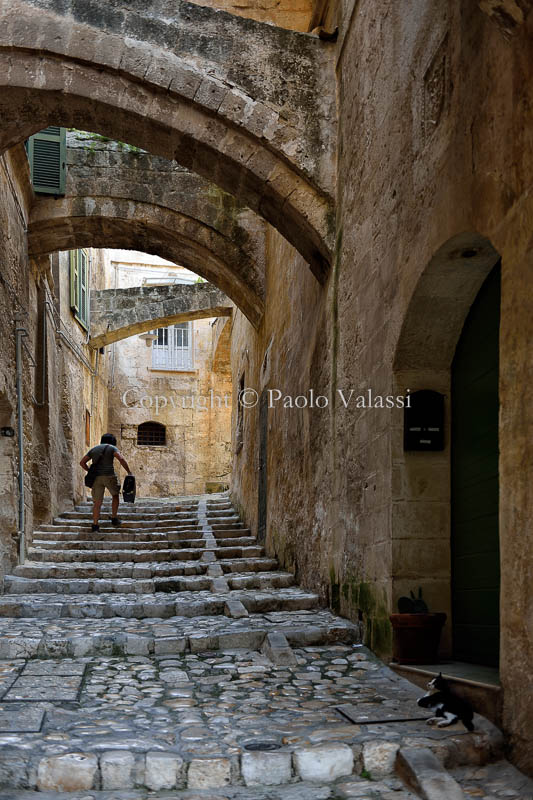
{"points": [[423, 421]]}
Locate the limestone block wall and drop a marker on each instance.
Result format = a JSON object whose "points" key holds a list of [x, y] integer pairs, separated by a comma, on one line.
{"points": [[57, 387], [15, 200], [83, 377], [193, 405], [433, 144]]}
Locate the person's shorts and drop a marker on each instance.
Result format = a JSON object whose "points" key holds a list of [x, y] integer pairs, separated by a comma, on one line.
{"points": [[103, 482]]}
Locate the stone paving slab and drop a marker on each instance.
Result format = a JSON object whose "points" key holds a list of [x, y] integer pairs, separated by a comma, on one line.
{"points": [[195, 716], [44, 687], [21, 717], [110, 569], [65, 667]]}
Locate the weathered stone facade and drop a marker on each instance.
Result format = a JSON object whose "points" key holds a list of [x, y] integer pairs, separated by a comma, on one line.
{"points": [[434, 162], [62, 377], [192, 403]]}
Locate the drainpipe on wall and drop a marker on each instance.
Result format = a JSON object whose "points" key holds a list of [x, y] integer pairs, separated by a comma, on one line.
{"points": [[20, 333]]}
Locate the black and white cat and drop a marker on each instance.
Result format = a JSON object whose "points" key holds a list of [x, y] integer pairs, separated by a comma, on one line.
{"points": [[448, 707]]}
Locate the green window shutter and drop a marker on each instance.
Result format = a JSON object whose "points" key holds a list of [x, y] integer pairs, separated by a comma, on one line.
{"points": [[79, 286], [74, 282], [47, 153], [84, 290]]}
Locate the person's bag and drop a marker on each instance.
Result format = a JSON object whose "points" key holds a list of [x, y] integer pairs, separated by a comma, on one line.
{"points": [[91, 472], [129, 489]]}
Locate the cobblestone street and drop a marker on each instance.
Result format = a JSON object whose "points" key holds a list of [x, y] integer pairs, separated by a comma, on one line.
{"points": [[119, 684]]}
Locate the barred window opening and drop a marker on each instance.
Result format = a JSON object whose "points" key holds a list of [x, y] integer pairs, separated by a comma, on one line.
{"points": [[151, 434]]}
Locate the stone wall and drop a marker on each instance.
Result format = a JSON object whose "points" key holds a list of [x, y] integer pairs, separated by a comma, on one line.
{"points": [[57, 385], [434, 157], [82, 385], [15, 298]]}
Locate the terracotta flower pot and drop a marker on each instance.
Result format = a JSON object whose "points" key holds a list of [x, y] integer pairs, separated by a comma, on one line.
{"points": [[416, 637]]}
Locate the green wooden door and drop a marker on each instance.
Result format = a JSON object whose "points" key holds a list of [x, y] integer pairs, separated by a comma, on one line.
{"points": [[475, 536]]}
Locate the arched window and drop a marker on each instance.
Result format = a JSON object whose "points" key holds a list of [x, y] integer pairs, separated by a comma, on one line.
{"points": [[151, 434]]}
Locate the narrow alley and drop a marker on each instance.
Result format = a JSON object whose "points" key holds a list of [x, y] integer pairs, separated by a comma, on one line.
{"points": [[266, 278]]}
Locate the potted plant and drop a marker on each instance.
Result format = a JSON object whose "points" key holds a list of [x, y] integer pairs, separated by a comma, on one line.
{"points": [[416, 631]]}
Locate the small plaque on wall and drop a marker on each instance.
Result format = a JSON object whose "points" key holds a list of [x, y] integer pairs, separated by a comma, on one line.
{"points": [[423, 421]]}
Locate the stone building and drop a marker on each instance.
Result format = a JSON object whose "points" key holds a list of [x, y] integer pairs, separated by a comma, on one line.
{"points": [[170, 402], [361, 193]]}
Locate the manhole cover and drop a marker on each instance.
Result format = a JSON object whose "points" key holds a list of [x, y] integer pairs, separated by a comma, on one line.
{"points": [[262, 746]]}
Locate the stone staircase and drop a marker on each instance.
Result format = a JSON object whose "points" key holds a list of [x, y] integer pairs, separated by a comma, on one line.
{"points": [[166, 581], [171, 658]]}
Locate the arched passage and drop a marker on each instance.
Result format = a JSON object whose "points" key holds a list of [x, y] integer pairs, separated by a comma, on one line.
{"points": [[120, 313], [268, 141], [421, 514], [104, 222], [106, 185]]}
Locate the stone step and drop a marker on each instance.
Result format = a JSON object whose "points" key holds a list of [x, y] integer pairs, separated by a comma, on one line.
{"points": [[228, 533], [109, 570], [161, 605], [126, 508], [126, 515], [124, 544], [119, 636], [213, 513], [193, 580], [64, 538], [177, 553], [130, 534], [130, 520], [110, 557], [106, 527]]}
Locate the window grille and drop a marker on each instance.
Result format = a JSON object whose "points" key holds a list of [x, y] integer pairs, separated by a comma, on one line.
{"points": [[79, 286], [151, 434], [172, 350]]}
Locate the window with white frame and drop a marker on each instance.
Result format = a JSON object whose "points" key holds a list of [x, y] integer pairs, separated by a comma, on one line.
{"points": [[172, 349]]}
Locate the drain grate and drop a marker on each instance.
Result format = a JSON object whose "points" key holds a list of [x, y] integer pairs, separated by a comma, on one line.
{"points": [[262, 746]]}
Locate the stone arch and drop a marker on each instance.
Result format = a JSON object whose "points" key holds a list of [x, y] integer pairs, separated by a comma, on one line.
{"points": [[120, 313], [421, 520], [67, 224], [199, 99], [106, 183]]}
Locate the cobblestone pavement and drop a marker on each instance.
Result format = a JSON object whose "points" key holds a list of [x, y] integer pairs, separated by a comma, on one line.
{"points": [[244, 690]]}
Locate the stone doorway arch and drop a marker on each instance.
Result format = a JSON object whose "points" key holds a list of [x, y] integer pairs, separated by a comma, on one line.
{"points": [[421, 512]]}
